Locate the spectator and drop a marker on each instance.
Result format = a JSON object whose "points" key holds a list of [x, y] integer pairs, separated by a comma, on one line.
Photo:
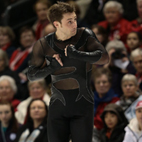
{"points": [[131, 95], [134, 40], [119, 63], [103, 95], [136, 24], [116, 26], [101, 34], [37, 89], [5, 70], [8, 123], [41, 7], [134, 128], [7, 37], [35, 129], [114, 124], [136, 58], [8, 89], [20, 57]]}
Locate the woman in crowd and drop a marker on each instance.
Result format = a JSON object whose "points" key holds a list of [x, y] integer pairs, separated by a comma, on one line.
{"points": [[101, 34], [41, 7], [134, 40], [35, 128], [116, 26], [114, 124], [8, 123], [20, 57], [5, 70], [136, 58], [136, 24], [8, 89], [7, 37], [37, 90], [119, 63], [103, 94], [134, 129], [131, 95]]}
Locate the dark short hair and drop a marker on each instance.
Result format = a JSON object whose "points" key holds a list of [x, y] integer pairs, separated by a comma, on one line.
{"points": [[29, 120], [13, 121], [56, 11], [102, 71], [25, 29]]}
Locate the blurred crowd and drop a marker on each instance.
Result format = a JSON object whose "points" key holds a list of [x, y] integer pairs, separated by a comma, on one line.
{"points": [[117, 85]]}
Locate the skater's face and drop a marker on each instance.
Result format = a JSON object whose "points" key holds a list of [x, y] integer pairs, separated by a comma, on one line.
{"points": [[111, 120], [68, 25], [139, 115], [129, 88], [37, 110]]}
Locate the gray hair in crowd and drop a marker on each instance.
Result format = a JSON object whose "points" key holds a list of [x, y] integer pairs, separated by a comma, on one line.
{"points": [[115, 44], [114, 4], [41, 82], [4, 56], [11, 82], [129, 77], [135, 53]]}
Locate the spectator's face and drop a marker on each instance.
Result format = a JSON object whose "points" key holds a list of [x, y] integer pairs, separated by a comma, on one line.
{"points": [[5, 114], [68, 25], [112, 15], [4, 39], [98, 35], [132, 41], [36, 91], [129, 88], [102, 84], [139, 7], [37, 110], [139, 115], [41, 11], [111, 120], [27, 39], [137, 61], [6, 92]]}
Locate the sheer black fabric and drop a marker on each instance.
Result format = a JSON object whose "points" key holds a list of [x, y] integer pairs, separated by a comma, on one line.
{"points": [[76, 68]]}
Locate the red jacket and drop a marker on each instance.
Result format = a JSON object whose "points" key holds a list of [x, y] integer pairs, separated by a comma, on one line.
{"points": [[97, 119], [136, 26], [119, 31]]}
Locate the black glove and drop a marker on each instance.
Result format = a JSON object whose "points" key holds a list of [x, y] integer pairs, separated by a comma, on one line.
{"points": [[90, 57]]}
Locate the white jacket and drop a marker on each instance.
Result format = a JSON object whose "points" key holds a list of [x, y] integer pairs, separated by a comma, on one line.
{"points": [[133, 134], [21, 112]]}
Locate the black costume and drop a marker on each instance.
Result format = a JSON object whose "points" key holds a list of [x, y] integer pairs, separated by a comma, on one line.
{"points": [[71, 105]]}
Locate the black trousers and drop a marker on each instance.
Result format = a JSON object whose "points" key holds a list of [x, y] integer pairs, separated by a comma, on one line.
{"points": [[75, 119]]}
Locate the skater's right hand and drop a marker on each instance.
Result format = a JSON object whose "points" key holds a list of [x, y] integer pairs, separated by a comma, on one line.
{"points": [[57, 57]]}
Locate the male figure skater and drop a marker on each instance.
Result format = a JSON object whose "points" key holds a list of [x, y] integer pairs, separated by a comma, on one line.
{"points": [[69, 54]]}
